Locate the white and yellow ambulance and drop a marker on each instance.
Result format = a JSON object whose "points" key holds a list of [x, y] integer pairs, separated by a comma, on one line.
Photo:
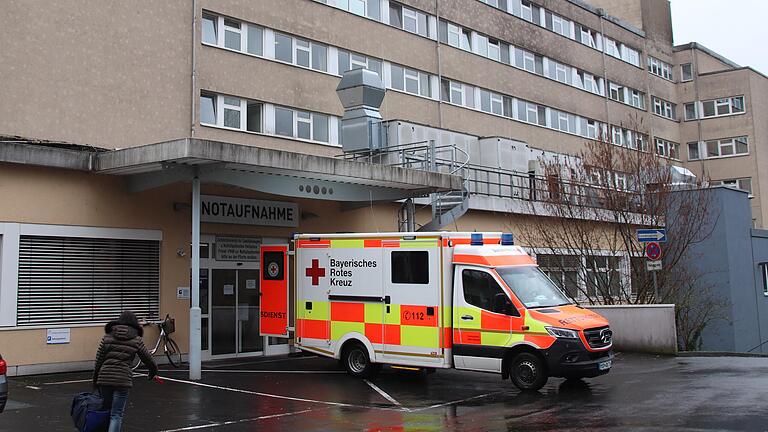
{"points": [[469, 301]]}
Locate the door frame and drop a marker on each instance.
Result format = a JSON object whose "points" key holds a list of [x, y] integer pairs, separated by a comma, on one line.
{"points": [[211, 264]]}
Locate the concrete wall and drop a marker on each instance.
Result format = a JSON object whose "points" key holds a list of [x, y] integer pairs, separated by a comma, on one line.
{"points": [[642, 328]]}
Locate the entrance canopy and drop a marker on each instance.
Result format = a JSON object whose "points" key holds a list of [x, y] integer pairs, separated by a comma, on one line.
{"points": [[212, 162], [267, 170]]}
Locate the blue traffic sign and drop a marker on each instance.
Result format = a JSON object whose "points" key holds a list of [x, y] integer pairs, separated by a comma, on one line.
{"points": [[652, 235]]}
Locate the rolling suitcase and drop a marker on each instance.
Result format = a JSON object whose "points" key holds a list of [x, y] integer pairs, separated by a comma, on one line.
{"points": [[87, 413]]}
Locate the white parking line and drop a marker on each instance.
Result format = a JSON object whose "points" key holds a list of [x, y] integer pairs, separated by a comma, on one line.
{"points": [[385, 395], [255, 393], [34, 387], [212, 425], [67, 382]]}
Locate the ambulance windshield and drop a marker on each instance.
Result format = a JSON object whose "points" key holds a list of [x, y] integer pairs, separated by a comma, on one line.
{"points": [[532, 287]]}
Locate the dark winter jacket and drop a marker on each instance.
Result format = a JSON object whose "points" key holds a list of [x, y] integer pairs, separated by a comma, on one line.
{"points": [[117, 353]]}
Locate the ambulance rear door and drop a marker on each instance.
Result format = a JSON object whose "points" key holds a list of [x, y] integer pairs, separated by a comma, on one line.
{"points": [[355, 291], [413, 305]]}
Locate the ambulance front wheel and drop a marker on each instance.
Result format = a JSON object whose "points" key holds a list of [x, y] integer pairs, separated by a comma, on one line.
{"points": [[356, 361], [528, 372]]}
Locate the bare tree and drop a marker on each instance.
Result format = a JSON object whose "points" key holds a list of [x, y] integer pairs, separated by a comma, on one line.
{"points": [[591, 206]]}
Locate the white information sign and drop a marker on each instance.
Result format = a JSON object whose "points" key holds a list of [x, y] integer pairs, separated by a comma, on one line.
{"points": [[243, 211], [250, 284], [182, 292], [229, 289], [653, 265], [57, 336], [237, 249]]}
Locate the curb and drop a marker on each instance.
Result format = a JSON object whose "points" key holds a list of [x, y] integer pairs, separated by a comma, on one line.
{"points": [[719, 354]]}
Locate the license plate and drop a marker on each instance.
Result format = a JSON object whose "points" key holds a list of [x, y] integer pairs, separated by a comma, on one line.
{"points": [[604, 365]]}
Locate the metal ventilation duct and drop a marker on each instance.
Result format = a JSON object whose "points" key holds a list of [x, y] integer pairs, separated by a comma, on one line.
{"points": [[361, 93]]}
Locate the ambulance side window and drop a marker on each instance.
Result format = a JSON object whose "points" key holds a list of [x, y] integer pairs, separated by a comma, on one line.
{"points": [[482, 290], [410, 267]]}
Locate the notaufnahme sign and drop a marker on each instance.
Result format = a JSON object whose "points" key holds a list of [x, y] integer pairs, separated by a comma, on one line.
{"points": [[242, 211]]}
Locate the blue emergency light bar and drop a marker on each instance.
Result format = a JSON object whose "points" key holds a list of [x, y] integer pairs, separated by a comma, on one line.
{"points": [[507, 239], [476, 239]]}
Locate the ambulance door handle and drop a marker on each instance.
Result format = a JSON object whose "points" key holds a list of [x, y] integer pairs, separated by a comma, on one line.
{"points": [[467, 317]]}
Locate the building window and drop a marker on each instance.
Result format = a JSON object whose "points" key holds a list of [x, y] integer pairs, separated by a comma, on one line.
{"points": [[233, 108], [603, 276], [664, 108], [408, 19], [209, 29], [637, 99], [301, 124], [744, 184], [714, 108], [563, 270], [284, 121], [612, 48], [667, 149], [232, 34], [86, 280], [718, 148], [590, 38], [491, 102], [455, 36], [616, 92], [349, 60], [254, 117], [630, 55], [690, 111], [686, 72], [301, 52], [207, 108], [764, 272], [411, 267], [660, 68], [366, 8], [410, 81]]}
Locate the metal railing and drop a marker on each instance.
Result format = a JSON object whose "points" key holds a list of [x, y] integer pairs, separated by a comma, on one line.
{"points": [[498, 182], [420, 155]]}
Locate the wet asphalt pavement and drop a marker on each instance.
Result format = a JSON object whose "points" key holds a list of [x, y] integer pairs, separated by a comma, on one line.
{"points": [[644, 393]]}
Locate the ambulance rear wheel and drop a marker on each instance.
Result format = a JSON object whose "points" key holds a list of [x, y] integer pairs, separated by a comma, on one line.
{"points": [[355, 359], [527, 372]]}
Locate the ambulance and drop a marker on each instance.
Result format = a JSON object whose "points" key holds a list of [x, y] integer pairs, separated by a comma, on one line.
{"points": [[471, 301]]}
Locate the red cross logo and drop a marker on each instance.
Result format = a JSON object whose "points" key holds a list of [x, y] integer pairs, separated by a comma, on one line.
{"points": [[315, 272]]}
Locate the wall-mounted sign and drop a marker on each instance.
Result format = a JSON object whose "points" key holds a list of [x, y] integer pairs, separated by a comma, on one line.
{"points": [[57, 336], [242, 211], [243, 249], [182, 293]]}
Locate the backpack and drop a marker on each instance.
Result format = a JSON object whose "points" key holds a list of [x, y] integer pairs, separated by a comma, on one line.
{"points": [[87, 413]]}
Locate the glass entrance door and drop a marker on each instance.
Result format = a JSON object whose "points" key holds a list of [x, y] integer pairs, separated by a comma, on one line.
{"points": [[248, 312], [235, 312]]}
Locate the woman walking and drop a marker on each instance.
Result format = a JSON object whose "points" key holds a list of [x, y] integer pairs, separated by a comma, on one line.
{"points": [[118, 348]]}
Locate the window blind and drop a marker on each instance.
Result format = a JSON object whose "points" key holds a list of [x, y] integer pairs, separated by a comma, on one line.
{"points": [[68, 280]]}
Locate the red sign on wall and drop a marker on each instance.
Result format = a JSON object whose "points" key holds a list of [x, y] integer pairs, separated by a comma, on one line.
{"points": [[273, 318]]}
